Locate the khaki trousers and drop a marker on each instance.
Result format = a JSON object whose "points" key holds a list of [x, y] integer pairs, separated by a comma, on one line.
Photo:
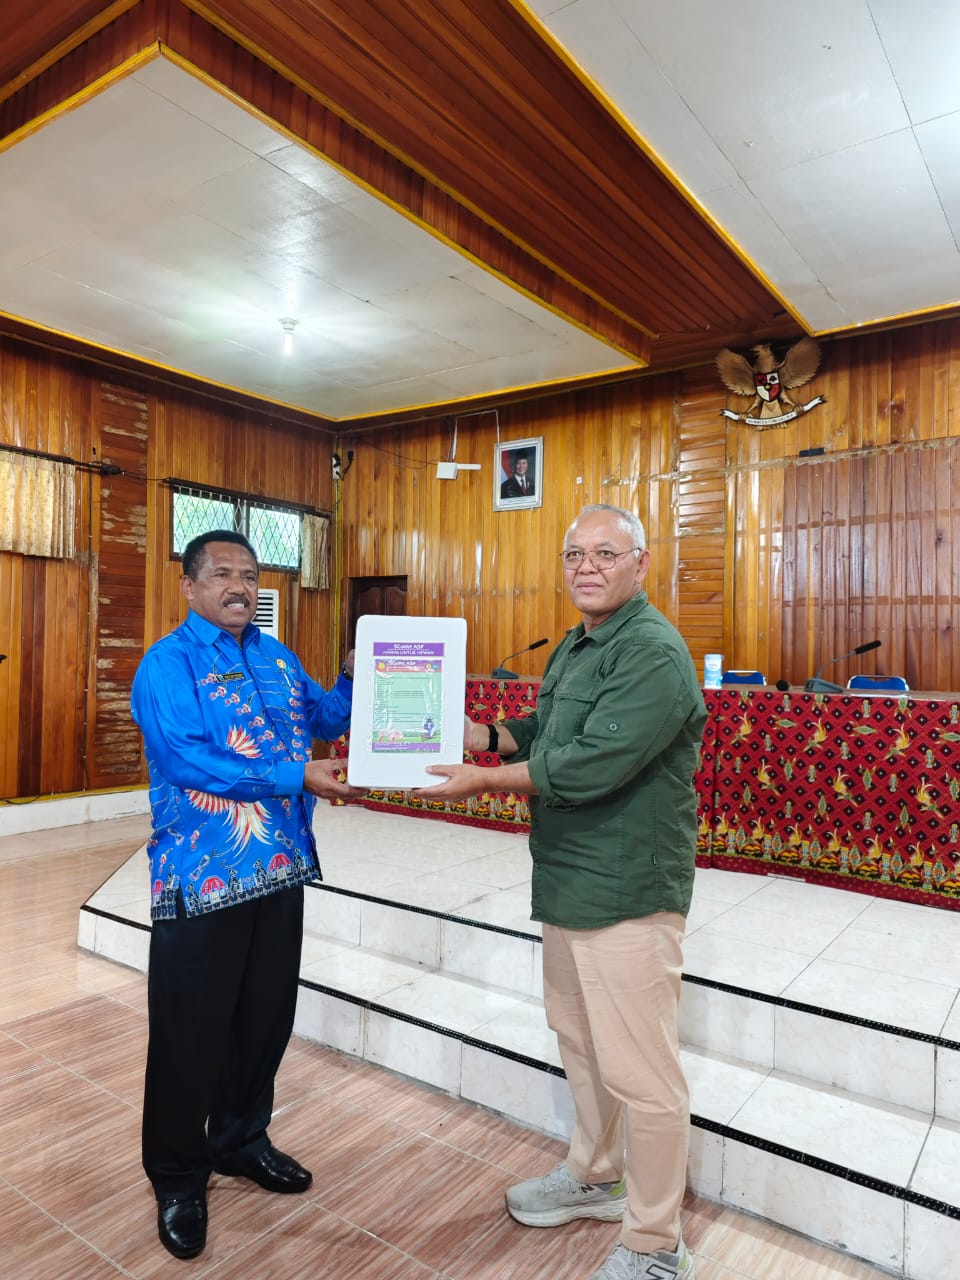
{"points": [[611, 996]]}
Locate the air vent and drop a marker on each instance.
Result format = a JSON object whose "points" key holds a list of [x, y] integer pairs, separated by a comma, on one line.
{"points": [[267, 616]]}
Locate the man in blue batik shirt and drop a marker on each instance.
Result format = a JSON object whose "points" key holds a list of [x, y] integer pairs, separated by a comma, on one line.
{"points": [[228, 716]]}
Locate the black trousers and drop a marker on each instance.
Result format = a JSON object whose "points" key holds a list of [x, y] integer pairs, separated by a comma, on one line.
{"points": [[222, 993]]}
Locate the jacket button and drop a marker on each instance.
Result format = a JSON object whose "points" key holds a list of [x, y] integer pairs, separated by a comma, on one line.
{"points": [[613, 726]]}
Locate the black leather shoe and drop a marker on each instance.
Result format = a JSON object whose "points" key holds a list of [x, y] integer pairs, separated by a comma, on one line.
{"points": [[182, 1225], [270, 1169]]}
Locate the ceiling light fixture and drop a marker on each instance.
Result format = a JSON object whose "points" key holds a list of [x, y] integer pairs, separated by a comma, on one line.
{"points": [[288, 326]]}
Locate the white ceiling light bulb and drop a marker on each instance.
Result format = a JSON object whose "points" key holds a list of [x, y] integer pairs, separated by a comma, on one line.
{"points": [[288, 326]]}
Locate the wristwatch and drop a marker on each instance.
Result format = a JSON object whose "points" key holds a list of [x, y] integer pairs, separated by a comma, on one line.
{"points": [[345, 672], [494, 742]]}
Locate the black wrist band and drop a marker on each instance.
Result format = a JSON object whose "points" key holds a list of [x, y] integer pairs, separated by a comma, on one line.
{"points": [[494, 742], [345, 672]]}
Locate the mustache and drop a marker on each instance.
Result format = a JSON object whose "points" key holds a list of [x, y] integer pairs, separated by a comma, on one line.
{"points": [[237, 600]]}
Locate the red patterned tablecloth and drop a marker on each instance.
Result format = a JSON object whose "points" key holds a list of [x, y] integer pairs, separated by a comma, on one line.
{"points": [[488, 701], [852, 790], [844, 789]]}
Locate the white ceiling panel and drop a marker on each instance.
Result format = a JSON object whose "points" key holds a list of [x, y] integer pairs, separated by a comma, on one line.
{"points": [[217, 110], [793, 128], [738, 210], [816, 203], [162, 219], [921, 40], [68, 306], [315, 173], [612, 54], [939, 142], [192, 228], [903, 288], [772, 88], [453, 308], [124, 146]]}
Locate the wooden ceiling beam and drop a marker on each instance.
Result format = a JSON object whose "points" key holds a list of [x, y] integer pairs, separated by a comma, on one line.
{"points": [[472, 121], [483, 106]]}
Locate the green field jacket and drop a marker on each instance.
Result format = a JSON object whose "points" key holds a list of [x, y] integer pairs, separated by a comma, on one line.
{"points": [[612, 748]]}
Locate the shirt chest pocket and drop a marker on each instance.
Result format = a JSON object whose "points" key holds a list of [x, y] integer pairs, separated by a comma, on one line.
{"points": [[569, 713]]}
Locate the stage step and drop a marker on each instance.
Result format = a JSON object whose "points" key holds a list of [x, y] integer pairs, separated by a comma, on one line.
{"points": [[837, 1126]]}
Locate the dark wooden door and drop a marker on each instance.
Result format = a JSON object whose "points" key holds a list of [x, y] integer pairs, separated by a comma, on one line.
{"points": [[385, 596]]}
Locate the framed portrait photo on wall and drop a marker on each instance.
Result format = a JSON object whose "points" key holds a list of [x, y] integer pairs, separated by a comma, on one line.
{"points": [[518, 474]]}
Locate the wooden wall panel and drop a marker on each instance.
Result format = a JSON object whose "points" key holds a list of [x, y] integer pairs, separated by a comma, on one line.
{"points": [[818, 553], [866, 537], [500, 569], [11, 632], [44, 405], [779, 561], [701, 513], [198, 440], [74, 630], [118, 589]]}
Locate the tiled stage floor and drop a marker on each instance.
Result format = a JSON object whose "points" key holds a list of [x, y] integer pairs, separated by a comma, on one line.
{"points": [[408, 1182]]}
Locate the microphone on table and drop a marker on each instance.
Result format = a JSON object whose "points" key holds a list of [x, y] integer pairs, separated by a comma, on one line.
{"points": [[501, 672], [783, 685], [816, 685]]}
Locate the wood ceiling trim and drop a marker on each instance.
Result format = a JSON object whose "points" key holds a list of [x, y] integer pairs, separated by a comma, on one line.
{"points": [[683, 350], [425, 172], [111, 76], [303, 109], [72, 41], [111, 46], [17, 331], [589, 230], [627, 125], [237, 71], [553, 125], [32, 30]]}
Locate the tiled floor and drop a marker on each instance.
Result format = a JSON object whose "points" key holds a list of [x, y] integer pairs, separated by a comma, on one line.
{"points": [[408, 1182]]}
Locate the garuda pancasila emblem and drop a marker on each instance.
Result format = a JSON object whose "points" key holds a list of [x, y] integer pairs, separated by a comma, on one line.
{"points": [[768, 381]]}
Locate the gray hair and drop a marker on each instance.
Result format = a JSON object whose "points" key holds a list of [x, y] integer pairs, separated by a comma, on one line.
{"points": [[629, 523]]}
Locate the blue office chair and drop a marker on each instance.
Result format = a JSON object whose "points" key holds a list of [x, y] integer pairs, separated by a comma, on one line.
{"points": [[879, 684], [743, 677]]}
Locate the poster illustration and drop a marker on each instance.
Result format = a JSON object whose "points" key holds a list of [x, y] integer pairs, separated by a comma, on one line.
{"points": [[409, 678], [407, 711]]}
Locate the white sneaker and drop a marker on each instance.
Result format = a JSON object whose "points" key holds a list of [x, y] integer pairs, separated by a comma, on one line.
{"points": [[626, 1264], [558, 1197]]}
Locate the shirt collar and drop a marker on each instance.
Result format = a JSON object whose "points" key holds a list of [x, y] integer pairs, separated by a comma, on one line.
{"points": [[608, 629], [209, 633]]}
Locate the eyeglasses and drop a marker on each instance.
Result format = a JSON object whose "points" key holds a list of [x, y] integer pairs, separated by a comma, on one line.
{"points": [[601, 560]]}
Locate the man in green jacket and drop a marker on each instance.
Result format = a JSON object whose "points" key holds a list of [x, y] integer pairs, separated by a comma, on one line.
{"points": [[608, 761]]}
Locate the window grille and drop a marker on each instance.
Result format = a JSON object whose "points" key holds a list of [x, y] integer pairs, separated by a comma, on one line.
{"points": [[273, 529]]}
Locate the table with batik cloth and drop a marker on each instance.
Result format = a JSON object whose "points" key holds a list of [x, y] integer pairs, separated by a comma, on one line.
{"points": [[852, 790]]}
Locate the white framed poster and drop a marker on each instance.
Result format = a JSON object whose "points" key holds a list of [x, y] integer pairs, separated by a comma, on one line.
{"points": [[518, 474], [409, 682]]}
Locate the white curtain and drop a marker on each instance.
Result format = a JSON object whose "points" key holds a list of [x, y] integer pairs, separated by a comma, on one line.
{"points": [[314, 568], [37, 499]]}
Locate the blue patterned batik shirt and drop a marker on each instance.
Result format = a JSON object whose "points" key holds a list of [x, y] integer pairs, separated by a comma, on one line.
{"points": [[228, 727]]}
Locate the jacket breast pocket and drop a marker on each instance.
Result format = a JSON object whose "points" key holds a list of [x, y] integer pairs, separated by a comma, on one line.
{"points": [[545, 695], [570, 711]]}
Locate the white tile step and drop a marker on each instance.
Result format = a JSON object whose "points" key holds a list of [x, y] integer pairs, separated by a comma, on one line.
{"points": [[834, 1046], [870, 1176], [858, 1174]]}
